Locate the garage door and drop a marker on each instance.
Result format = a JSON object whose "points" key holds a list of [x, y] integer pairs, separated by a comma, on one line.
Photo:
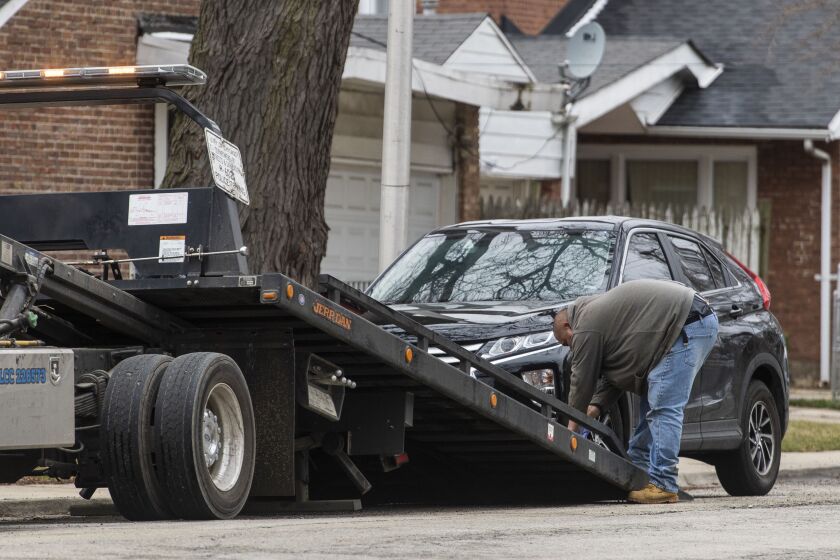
{"points": [[352, 213]]}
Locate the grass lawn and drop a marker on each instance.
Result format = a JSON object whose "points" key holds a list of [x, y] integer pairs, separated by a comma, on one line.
{"points": [[811, 436], [815, 403]]}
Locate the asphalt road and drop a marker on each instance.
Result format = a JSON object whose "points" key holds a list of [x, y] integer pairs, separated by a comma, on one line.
{"points": [[799, 519]]}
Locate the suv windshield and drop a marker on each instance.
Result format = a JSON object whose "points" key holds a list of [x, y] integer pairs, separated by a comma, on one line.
{"points": [[499, 265]]}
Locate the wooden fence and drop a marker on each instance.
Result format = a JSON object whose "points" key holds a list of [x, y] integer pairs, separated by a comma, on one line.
{"points": [[739, 232]]}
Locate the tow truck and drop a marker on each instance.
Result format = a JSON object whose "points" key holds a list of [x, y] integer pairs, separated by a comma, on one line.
{"points": [[191, 387]]}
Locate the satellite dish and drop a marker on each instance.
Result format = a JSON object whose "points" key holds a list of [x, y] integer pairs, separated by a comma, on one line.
{"points": [[585, 50]]}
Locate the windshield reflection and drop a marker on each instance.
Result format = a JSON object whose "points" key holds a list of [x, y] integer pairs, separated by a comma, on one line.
{"points": [[499, 265]]}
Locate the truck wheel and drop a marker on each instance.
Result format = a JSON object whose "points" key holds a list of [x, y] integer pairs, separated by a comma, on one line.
{"points": [[752, 468], [205, 432], [127, 437]]}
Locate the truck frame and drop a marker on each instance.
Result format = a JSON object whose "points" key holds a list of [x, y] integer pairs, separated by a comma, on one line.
{"points": [[192, 388]]}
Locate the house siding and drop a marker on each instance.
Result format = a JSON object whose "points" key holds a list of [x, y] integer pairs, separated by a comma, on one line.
{"points": [[61, 149], [530, 16], [789, 180], [486, 53]]}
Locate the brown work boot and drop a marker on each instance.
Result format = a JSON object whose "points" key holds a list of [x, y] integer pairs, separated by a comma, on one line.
{"points": [[652, 494]]}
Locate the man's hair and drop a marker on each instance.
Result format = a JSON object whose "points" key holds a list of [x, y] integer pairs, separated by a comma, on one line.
{"points": [[561, 312]]}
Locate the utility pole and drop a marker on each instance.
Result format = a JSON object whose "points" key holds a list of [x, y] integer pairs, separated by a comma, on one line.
{"points": [[396, 137]]}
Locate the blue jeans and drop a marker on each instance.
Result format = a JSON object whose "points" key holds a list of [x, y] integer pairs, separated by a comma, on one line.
{"points": [[655, 445]]}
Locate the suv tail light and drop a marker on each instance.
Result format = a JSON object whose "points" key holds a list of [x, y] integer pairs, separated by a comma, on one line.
{"points": [[762, 287]]}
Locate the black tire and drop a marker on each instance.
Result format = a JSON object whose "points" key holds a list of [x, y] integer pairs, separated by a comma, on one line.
{"points": [[128, 451], [192, 490], [737, 471]]}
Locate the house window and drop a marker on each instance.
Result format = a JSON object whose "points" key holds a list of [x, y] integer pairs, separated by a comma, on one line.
{"points": [[593, 180], [373, 7], [730, 184], [662, 182], [720, 177]]}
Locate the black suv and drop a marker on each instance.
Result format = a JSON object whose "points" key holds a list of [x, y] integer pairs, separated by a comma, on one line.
{"points": [[490, 286]]}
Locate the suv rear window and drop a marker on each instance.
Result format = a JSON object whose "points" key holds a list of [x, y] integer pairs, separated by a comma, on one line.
{"points": [[694, 264], [717, 271], [500, 265]]}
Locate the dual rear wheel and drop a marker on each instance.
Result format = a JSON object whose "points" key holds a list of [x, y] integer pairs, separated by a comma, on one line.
{"points": [[178, 437]]}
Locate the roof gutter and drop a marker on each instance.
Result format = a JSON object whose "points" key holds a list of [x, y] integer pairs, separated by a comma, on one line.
{"points": [[824, 276], [368, 66], [752, 133]]}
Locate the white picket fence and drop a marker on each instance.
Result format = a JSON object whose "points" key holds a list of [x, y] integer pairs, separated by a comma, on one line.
{"points": [[738, 232]]}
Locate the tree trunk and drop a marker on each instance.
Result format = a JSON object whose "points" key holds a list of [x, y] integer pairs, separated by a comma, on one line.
{"points": [[273, 77]]}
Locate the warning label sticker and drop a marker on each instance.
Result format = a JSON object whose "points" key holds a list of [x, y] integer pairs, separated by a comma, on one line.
{"points": [[226, 165], [172, 248], [157, 209], [6, 253], [550, 434]]}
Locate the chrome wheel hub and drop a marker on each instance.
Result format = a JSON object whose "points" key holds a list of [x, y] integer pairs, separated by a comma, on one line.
{"points": [[212, 437], [762, 444], [223, 437]]}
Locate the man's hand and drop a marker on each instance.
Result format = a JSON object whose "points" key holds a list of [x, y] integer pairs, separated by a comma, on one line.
{"points": [[593, 411]]}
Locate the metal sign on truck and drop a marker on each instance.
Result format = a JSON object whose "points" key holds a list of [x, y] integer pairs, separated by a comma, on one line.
{"points": [[226, 164]]}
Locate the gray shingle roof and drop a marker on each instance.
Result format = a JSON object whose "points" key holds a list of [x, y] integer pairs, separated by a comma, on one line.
{"points": [[621, 56], [436, 37], [782, 62]]}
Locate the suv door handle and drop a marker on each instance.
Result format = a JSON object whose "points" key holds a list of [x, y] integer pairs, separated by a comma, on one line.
{"points": [[735, 311]]}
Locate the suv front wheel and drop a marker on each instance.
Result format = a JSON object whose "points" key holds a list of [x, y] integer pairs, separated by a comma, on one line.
{"points": [[752, 468]]}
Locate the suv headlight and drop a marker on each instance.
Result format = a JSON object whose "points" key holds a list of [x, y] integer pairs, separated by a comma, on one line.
{"points": [[513, 344]]}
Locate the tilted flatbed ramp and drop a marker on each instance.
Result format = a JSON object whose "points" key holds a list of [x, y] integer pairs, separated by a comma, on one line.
{"points": [[462, 421]]}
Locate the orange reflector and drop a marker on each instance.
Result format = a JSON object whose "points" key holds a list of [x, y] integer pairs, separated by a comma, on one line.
{"points": [[57, 73], [270, 295], [121, 70], [494, 400], [573, 443], [290, 291], [409, 354]]}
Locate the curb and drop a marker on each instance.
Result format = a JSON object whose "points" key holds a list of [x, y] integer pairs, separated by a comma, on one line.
{"points": [[36, 508], [706, 479]]}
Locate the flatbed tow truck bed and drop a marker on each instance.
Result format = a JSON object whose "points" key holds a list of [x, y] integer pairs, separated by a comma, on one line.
{"points": [[341, 406]]}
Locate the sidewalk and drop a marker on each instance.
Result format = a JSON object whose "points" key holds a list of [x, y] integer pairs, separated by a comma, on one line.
{"points": [[823, 464], [810, 394], [825, 415], [46, 500]]}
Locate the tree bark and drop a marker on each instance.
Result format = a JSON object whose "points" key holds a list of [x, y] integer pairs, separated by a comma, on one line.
{"points": [[273, 77]]}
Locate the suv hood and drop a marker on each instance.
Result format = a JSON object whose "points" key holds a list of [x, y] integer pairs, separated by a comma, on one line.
{"points": [[480, 321]]}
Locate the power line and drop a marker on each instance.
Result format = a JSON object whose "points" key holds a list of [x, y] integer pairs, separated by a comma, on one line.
{"points": [[452, 134]]}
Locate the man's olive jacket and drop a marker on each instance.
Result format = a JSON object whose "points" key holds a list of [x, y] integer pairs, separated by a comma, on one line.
{"points": [[618, 337]]}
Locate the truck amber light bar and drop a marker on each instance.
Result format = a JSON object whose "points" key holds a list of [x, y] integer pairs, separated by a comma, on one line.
{"points": [[153, 75]]}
